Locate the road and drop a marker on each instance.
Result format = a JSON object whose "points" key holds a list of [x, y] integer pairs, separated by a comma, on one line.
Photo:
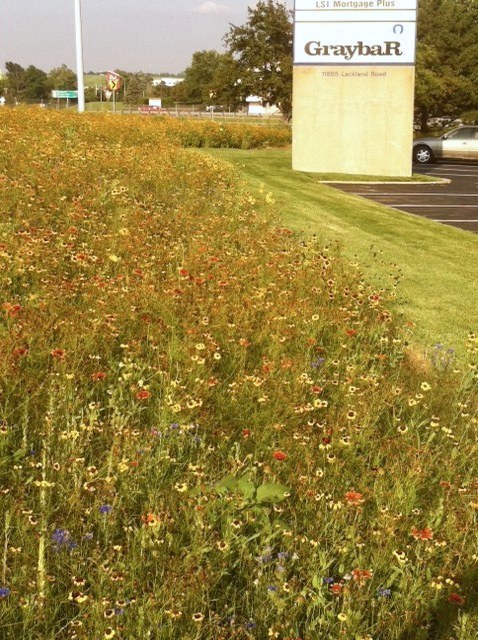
{"points": [[454, 203]]}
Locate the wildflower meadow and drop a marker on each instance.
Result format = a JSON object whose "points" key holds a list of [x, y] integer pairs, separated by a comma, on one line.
{"points": [[209, 428]]}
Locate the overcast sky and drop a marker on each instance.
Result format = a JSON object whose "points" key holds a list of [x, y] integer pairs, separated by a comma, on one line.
{"points": [[135, 35]]}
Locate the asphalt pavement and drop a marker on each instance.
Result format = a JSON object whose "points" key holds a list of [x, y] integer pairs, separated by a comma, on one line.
{"points": [[454, 203]]}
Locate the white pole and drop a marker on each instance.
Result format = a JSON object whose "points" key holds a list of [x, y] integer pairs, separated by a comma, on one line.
{"points": [[79, 58]]}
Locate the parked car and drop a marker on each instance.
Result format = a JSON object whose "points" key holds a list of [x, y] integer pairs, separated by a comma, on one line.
{"points": [[460, 143]]}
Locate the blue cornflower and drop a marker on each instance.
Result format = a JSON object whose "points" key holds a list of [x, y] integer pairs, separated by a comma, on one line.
{"points": [[62, 539], [4, 592], [317, 363], [328, 580], [61, 536], [384, 593], [106, 508], [272, 588]]}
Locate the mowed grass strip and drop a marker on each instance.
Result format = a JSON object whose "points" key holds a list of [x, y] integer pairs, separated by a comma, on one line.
{"points": [[437, 265]]}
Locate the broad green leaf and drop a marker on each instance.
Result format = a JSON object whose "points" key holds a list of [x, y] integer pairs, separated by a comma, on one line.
{"points": [[271, 493]]}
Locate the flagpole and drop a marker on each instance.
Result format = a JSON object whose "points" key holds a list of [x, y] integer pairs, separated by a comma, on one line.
{"points": [[79, 58]]}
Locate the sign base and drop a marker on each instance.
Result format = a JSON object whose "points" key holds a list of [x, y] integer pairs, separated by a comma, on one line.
{"points": [[353, 119]]}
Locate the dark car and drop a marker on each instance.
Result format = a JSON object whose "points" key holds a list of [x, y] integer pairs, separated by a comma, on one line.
{"points": [[458, 144]]}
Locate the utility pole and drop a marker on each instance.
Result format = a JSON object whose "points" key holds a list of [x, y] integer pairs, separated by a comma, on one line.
{"points": [[79, 58]]}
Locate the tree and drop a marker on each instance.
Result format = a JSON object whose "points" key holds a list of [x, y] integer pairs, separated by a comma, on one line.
{"points": [[36, 84], [447, 51], [137, 86], [62, 78], [15, 80], [199, 85], [225, 88], [262, 48]]}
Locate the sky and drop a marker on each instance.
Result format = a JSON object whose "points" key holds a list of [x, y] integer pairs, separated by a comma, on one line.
{"points": [[154, 36]]}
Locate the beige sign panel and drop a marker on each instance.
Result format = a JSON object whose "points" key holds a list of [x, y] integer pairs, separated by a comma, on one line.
{"points": [[353, 86]]}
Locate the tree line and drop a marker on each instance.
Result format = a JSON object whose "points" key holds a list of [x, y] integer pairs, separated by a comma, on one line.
{"points": [[35, 85], [258, 61]]}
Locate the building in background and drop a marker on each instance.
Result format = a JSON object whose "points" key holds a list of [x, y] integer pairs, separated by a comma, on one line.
{"points": [[167, 82], [257, 107]]}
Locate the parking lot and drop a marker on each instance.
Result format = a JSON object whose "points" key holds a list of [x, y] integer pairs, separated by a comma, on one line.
{"points": [[454, 203]]}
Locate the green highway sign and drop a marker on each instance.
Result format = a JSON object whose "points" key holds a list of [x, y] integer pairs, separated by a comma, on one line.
{"points": [[64, 94]]}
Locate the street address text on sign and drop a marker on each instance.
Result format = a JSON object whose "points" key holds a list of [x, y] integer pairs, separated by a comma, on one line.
{"points": [[359, 32]]}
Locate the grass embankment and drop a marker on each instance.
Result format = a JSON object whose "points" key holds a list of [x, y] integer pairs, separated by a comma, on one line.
{"points": [[209, 430], [437, 265]]}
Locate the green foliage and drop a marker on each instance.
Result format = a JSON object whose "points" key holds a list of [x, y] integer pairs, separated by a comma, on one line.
{"points": [[62, 78], [201, 84], [36, 84], [15, 80], [446, 58], [259, 494], [262, 48]]}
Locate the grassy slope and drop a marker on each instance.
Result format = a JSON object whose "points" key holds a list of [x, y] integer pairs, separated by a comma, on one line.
{"points": [[438, 263]]}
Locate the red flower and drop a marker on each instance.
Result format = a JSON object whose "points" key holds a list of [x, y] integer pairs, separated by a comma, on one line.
{"points": [[422, 534], [360, 575], [11, 310], [142, 394], [279, 455], [58, 353], [99, 375], [246, 433], [351, 332], [21, 351], [354, 498], [455, 598]]}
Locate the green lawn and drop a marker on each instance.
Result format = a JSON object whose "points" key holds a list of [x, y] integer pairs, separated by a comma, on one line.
{"points": [[437, 265]]}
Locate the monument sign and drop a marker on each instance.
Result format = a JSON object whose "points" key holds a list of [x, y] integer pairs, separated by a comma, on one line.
{"points": [[354, 76]]}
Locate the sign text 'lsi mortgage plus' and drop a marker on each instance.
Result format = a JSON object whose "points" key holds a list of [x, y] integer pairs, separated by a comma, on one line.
{"points": [[361, 32]]}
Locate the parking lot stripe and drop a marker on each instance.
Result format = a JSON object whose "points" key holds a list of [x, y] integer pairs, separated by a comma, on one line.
{"points": [[440, 195], [437, 206], [458, 175]]}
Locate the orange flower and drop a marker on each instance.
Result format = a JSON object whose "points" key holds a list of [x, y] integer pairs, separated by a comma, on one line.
{"points": [[99, 375], [11, 310], [279, 455], [150, 520], [354, 498], [58, 353], [422, 534], [142, 394], [360, 575]]}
